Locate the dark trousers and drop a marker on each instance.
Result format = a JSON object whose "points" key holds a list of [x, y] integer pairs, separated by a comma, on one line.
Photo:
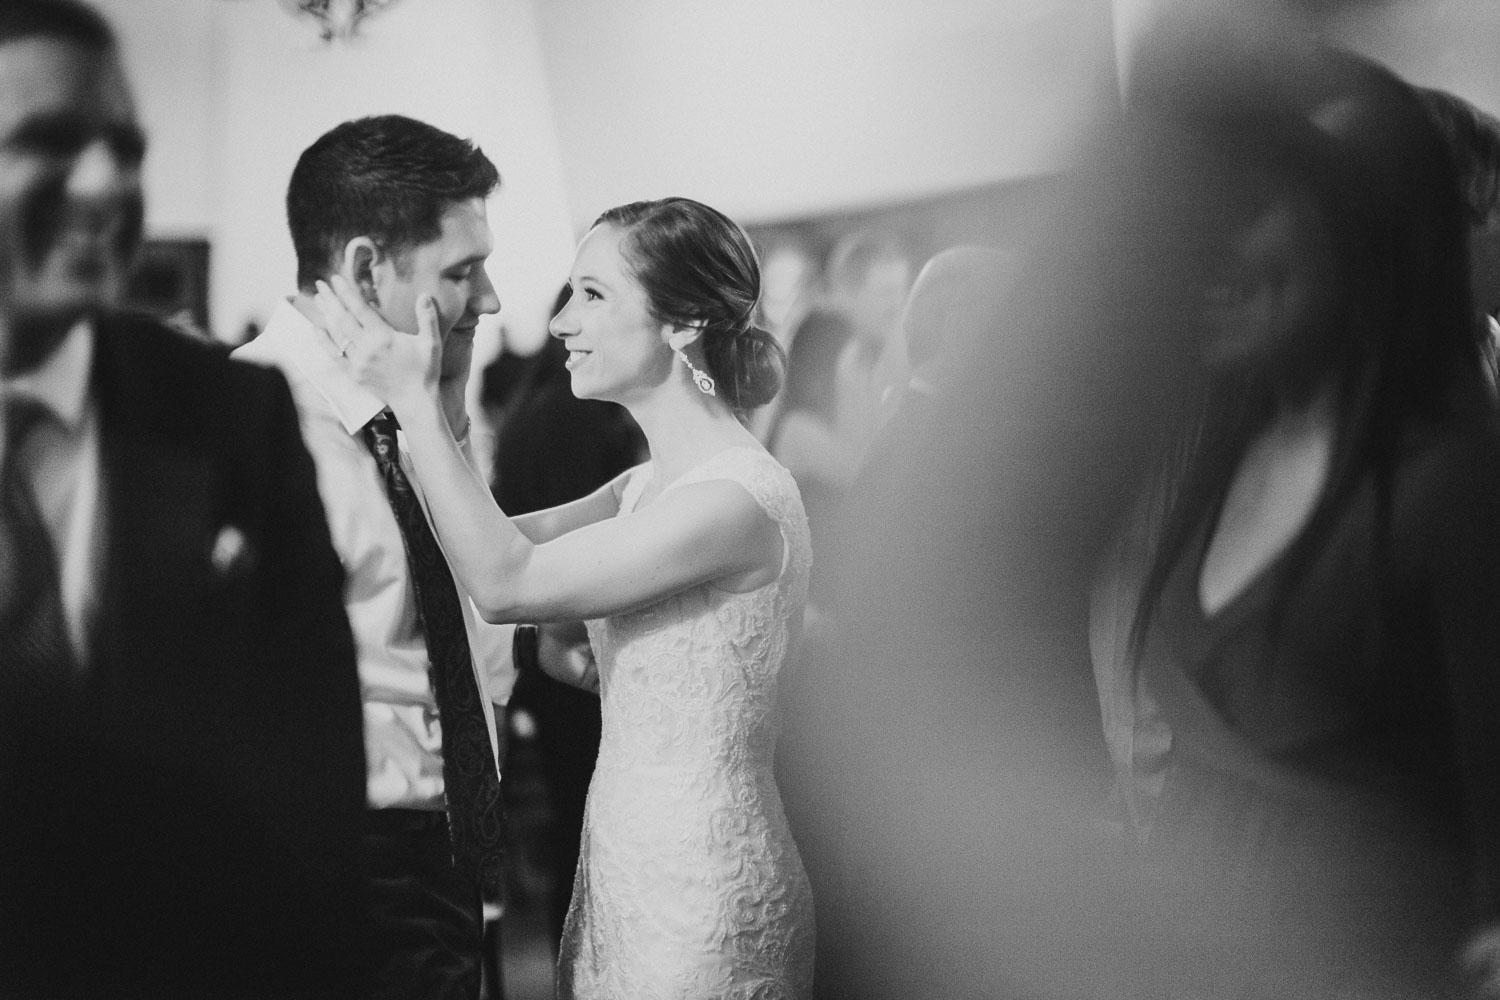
{"points": [[426, 919]]}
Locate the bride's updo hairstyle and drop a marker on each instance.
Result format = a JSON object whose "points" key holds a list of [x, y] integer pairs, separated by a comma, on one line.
{"points": [[697, 266]]}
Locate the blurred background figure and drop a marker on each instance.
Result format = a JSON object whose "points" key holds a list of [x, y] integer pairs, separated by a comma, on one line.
{"points": [[1251, 307], [1299, 638], [498, 381], [825, 419], [1473, 139], [551, 448], [868, 274], [954, 304], [789, 283], [942, 752], [845, 352]]}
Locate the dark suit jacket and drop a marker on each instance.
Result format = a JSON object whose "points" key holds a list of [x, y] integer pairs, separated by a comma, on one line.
{"points": [[188, 824]]}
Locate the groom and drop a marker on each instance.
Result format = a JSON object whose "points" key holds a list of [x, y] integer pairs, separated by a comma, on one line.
{"points": [[397, 207]]}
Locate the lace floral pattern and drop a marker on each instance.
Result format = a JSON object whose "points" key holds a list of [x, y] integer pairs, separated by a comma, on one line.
{"points": [[688, 882]]}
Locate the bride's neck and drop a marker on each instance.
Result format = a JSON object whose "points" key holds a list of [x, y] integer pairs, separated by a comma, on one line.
{"points": [[682, 433]]}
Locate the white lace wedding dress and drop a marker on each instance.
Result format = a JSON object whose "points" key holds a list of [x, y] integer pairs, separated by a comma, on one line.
{"points": [[689, 885]]}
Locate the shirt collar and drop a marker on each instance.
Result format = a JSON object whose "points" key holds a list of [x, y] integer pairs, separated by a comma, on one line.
{"points": [[61, 381], [311, 351]]}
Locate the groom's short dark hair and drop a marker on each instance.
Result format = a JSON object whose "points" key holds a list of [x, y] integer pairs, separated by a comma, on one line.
{"points": [[387, 177]]}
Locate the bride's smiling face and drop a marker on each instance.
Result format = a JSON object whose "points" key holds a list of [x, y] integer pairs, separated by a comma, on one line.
{"points": [[616, 348]]}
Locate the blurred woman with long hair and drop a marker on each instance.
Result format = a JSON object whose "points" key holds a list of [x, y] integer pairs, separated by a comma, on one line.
{"points": [[1309, 641]]}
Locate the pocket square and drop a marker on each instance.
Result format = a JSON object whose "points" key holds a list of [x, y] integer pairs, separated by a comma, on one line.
{"points": [[231, 554]]}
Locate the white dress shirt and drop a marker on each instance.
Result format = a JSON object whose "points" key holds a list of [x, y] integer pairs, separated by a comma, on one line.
{"points": [[60, 462], [403, 738]]}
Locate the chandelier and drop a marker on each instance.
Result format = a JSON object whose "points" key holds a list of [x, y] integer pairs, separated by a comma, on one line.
{"points": [[337, 18]]}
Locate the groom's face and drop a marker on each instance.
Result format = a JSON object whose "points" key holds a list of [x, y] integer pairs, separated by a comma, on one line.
{"points": [[451, 270]]}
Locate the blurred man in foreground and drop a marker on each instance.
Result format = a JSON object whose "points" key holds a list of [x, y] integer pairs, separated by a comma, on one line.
{"points": [[180, 754]]}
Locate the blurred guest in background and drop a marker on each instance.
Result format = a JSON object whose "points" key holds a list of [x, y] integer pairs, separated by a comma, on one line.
{"points": [[826, 417], [1318, 562], [180, 753], [398, 207], [502, 376], [868, 274], [846, 353], [942, 758], [551, 448], [789, 280], [953, 306]]}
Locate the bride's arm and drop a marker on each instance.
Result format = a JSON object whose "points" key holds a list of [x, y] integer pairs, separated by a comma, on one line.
{"points": [[545, 525], [690, 535]]}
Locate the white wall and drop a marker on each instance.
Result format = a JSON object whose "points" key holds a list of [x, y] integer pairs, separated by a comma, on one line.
{"points": [[234, 90], [169, 54], [779, 108]]}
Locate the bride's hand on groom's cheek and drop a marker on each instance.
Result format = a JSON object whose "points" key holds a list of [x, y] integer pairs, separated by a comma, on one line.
{"points": [[393, 365]]}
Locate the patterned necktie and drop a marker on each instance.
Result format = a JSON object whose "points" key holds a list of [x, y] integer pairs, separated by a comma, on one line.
{"points": [[476, 823], [35, 655]]}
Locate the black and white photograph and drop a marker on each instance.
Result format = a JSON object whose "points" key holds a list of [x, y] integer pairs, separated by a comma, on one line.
{"points": [[792, 500]]}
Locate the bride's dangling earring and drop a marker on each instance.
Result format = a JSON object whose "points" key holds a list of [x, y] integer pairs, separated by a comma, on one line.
{"points": [[703, 380]]}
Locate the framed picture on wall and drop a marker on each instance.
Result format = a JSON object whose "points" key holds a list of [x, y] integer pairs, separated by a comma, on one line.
{"points": [[171, 281]]}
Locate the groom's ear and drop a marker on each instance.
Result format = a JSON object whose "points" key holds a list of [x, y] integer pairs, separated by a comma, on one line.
{"points": [[358, 266]]}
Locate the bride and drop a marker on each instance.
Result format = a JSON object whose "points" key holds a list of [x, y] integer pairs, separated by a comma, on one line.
{"points": [[691, 570]]}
